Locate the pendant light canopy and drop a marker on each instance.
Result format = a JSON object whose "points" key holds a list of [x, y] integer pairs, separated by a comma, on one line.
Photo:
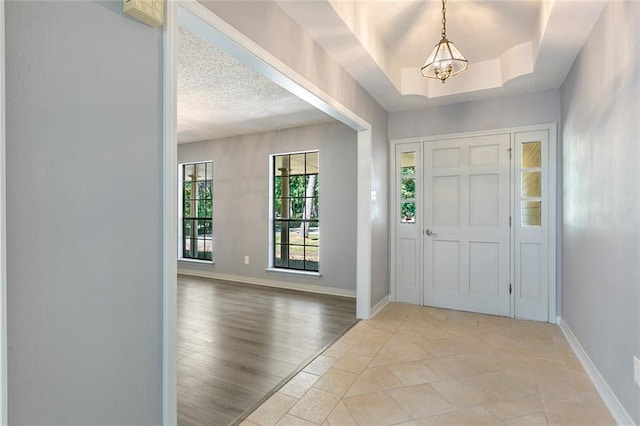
{"points": [[445, 59]]}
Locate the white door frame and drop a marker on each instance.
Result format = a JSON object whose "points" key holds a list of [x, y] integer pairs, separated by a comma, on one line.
{"points": [[254, 56], [3, 232], [554, 214]]}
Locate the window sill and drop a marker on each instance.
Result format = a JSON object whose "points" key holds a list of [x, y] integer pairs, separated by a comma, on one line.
{"points": [[307, 274], [196, 261]]}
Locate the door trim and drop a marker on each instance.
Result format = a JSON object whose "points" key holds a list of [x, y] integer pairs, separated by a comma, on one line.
{"points": [[253, 55], [554, 213]]}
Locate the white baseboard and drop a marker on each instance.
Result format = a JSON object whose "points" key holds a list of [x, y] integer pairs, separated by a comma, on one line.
{"points": [[611, 401], [269, 283], [379, 306]]}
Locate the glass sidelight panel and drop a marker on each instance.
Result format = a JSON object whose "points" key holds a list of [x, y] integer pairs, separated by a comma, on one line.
{"points": [[531, 155], [531, 184], [408, 187], [531, 213]]}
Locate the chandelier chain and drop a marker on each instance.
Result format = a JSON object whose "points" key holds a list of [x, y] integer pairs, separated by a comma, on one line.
{"points": [[444, 20]]}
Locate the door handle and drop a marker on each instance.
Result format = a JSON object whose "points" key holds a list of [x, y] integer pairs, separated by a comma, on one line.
{"points": [[430, 233]]}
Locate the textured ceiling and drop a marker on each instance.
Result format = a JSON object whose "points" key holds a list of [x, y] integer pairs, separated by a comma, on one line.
{"points": [[220, 97]]}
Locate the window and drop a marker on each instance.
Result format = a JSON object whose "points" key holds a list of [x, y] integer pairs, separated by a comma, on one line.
{"points": [[296, 228], [197, 209]]}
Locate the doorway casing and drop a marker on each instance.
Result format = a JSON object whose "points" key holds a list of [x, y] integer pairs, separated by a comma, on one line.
{"points": [[262, 61]]}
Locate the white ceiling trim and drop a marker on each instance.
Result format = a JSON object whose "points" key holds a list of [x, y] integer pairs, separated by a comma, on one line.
{"points": [[540, 62]]}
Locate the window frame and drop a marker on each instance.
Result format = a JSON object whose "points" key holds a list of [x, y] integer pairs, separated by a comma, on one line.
{"points": [[181, 243], [273, 220]]}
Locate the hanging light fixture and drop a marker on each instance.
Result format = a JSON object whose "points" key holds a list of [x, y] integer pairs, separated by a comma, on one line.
{"points": [[445, 59]]}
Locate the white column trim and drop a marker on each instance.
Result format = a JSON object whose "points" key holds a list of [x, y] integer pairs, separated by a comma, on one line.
{"points": [[170, 220], [620, 415], [3, 231]]}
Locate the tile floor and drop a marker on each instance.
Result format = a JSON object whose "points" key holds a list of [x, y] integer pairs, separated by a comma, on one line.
{"points": [[415, 365]]}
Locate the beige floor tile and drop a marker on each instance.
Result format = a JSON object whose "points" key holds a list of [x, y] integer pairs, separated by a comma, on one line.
{"points": [[597, 409], [377, 336], [429, 421], [408, 352], [523, 376], [405, 335], [458, 366], [353, 362], [421, 401], [512, 408], [336, 381], [299, 384], [529, 419], [340, 416], [290, 420], [272, 410], [503, 342], [384, 357], [337, 349], [479, 370], [471, 416], [559, 387], [461, 394], [384, 377], [454, 346], [583, 382], [414, 373], [375, 409], [387, 324], [547, 366], [566, 412], [366, 383], [247, 423], [320, 365], [370, 349], [353, 336], [315, 405], [501, 386]]}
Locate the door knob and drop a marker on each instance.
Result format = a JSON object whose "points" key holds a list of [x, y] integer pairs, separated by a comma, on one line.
{"points": [[430, 233]]}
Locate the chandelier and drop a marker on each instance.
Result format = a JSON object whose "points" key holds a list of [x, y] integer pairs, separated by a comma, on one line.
{"points": [[445, 59]]}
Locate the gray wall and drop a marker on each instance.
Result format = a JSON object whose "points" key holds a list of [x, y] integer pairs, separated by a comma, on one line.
{"points": [[84, 231], [513, 111], [241, 201], [601, 247], [268, 26]]}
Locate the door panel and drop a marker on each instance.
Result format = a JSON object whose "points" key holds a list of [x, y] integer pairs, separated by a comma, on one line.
{"points": [[466, 210]]}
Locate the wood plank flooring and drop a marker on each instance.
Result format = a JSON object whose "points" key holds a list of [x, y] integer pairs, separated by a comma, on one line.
{"points": [[238, 342]]}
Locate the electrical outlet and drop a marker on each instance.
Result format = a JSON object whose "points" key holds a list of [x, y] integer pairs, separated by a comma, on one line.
{"points": [[246, 260], [636, 370]]}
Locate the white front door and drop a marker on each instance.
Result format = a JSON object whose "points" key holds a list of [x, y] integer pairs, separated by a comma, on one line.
{"points": [[466, 224]]}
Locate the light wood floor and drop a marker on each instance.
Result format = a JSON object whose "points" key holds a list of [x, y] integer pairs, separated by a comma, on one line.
{"points": [[238, 342]]}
